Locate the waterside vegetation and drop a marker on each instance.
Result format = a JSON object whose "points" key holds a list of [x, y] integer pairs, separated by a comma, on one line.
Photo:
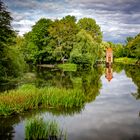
{"points": [[53, 42], [29, 97], [37, 128], [126, 60]]}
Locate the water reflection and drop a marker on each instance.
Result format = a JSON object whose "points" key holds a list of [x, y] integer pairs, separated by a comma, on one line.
{"points": [[111, 111], [133, 72], [88, 80], [8, 124], [109, 73]]}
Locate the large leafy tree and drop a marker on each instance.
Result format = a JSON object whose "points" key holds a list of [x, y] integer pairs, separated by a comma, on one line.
{"points": [[85, 49], [6, 31], [91, 27], [36, 42], [133, 47], [40, 32], [6, 38], [63, 34]]}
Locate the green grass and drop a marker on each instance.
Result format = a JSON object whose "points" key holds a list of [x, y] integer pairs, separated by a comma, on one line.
{"points": [[125, 60], [28, 97], [67, 67], [38, 129]]}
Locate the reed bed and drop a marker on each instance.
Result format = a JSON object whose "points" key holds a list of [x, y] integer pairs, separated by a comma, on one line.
{"points": [[29, 97], [39, 129]]}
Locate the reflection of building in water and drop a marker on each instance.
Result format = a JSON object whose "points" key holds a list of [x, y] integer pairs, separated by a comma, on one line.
{"points": [[109, 56], [109, 73]]}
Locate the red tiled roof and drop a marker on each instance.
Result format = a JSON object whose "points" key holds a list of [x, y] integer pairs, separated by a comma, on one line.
{"points": [[109, 50]]}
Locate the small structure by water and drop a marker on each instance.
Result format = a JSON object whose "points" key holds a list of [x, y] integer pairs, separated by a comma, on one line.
{"points": [[109, 56]]}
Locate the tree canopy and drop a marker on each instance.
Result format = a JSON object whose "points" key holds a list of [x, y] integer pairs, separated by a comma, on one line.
{"points": [[53, 41], [91, 27], [10, 66]]}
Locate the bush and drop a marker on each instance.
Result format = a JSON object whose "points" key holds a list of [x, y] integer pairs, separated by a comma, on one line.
{"points": [[85, 49], [81, 59]]}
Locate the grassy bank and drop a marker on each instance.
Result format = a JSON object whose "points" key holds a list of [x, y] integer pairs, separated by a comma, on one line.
{"points": [[38, 129], [125, 60], [67, 67], [29, 97]]}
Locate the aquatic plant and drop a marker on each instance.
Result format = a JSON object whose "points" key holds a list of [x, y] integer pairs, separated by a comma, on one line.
{"points": [[29, 97], [37, 128]]}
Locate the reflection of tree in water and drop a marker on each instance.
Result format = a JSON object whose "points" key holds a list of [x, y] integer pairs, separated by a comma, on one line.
{"points": [[118, 67], [134, 73], [6, 133], [7, 123], [50, 77], [89, 81], [7, 126]]}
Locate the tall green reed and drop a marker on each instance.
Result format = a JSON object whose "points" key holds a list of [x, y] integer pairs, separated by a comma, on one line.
{"points": [[29, 97]]}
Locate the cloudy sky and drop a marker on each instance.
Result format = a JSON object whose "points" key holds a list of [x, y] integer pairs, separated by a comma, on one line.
{"points": [[117, 18]]}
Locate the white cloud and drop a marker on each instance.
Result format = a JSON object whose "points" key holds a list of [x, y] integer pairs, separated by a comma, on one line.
{"points": [[116, 18]]}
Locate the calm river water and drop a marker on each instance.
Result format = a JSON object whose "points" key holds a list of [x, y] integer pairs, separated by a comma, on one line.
{"points": [[111, 113]]}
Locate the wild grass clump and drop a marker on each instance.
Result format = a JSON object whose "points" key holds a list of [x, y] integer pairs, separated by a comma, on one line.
{"points": [[29, 97], [37, 128], [126, 60], [67, 67]]}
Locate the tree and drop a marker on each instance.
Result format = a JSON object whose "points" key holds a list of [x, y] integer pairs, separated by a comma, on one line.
{"points": [[63, 34], [85, 49], [118, 50], [133, 47], [102, 50], [128, 39], [40, 32], [89, 25], [36, 42], [6, 37], [6, 31], [11, 60]]}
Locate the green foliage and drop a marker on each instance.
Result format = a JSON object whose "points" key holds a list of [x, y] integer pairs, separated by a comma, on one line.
{"points": [[67, 67], [14, 67], [11, 59], [102, 50], [29, 97], [53, 41], [128, 39], [49, 41], [84, 50], [118, 50], [39, 34], [36, 41], [130, 50], [89, 81], [126, 60], [133, 47], [63, 33], [6, 31], [89, 25], [134, 72], [37, 128]]}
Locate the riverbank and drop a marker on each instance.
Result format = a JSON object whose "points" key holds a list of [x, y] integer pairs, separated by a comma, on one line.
{"points": [[126, 60], [67, 67], [28, 97]]}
